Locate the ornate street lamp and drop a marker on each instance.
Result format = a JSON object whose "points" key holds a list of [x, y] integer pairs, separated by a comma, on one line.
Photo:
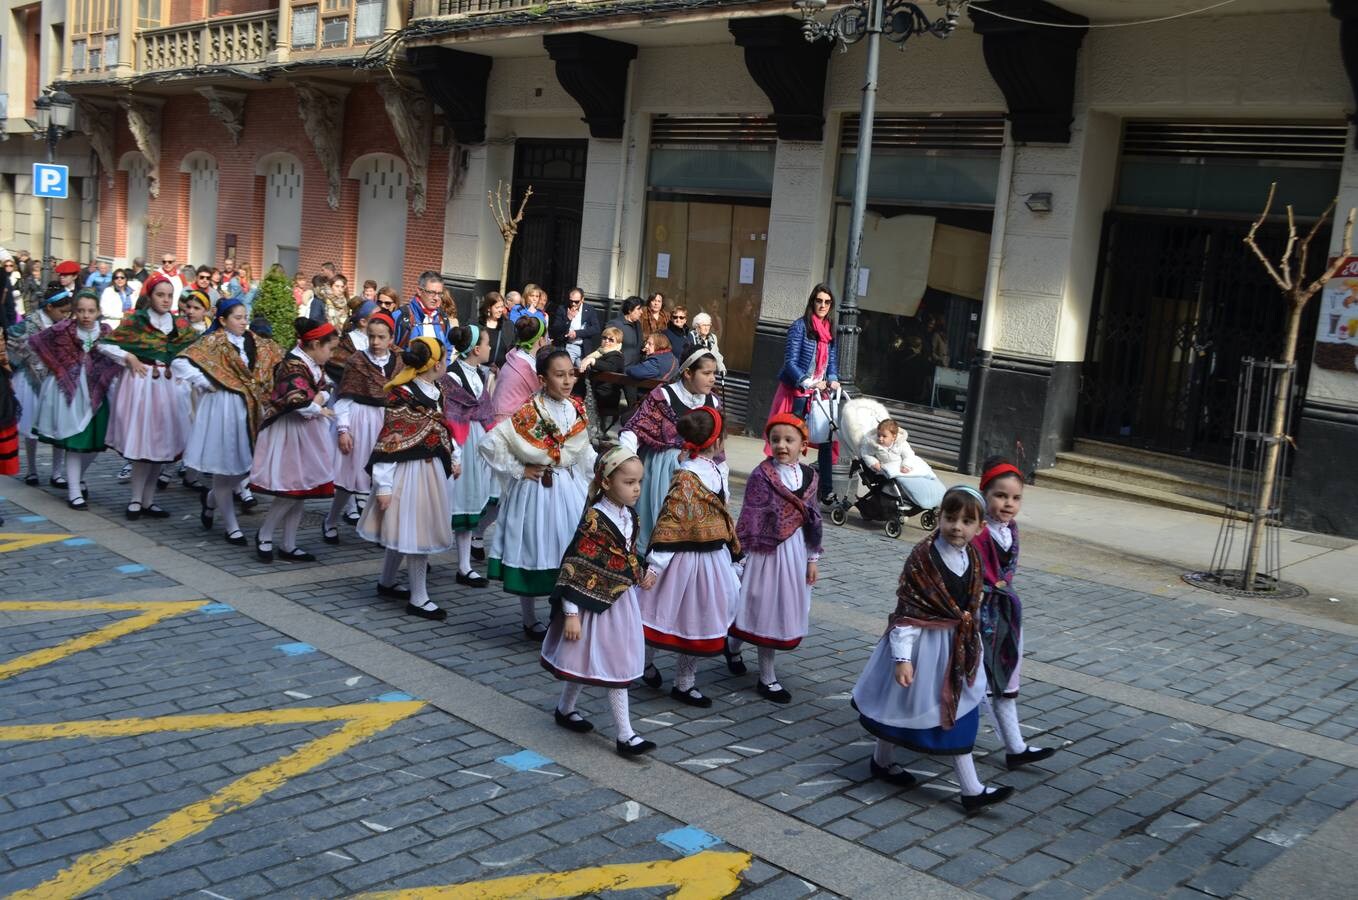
{"points": [[55, 111], [897, 21]]}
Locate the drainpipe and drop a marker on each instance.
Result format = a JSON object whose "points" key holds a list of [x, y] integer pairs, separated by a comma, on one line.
{"points": [[971, 456], [615, 263]]}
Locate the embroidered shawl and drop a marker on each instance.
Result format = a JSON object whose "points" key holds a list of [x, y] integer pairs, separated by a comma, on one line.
{"points": [[599, 565], [17, 338], [294, 388], [60, 349], [146, 342], [1001, 612], [515, 386], [924, 601], [655, 420], [217, 358], [413, 428], [461, 407], [770, 513], [538, 431], [692, 518], [364, 381]]}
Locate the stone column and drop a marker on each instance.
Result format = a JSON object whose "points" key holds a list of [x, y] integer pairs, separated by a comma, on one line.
{"points": [[603, 167]]}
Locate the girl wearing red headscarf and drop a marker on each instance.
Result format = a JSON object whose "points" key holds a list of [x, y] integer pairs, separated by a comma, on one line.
{"points": [[295, 451], [694, 553]]}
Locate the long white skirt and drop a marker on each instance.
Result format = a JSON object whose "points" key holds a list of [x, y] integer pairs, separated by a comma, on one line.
{"points": [[611, 651], [775, 600], [365, 424], [219, 439], [28, 404], [693, 603], [534, 528], [470, 492], [149, 420], [416, 521], [294, 456], [57, 418]]}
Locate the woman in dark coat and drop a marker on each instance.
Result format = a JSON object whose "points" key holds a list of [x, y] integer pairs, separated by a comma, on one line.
{"points": [[811, 364]]}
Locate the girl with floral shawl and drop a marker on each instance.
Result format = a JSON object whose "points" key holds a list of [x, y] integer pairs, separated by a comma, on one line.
{"points": [[545, 461]]}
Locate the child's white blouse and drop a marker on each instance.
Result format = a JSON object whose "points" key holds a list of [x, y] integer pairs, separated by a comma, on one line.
{"points": [[1001, 533], [903, 637]]}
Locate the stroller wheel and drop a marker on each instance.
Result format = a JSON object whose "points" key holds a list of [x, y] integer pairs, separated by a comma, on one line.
{"points": [[839, 515], [892, 528], [928, 519]]}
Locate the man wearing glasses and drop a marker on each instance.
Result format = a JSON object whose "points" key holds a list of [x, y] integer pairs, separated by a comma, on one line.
{"points": [[168, 269], [423, 316], [575, 326]]}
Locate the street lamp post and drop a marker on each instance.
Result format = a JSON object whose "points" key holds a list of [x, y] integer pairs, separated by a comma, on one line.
{"points": [[54, 111], [898, 21]]}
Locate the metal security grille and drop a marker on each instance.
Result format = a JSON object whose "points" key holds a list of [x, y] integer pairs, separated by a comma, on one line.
{"points": [[1321, 142], [968, 134], [669, 131]]}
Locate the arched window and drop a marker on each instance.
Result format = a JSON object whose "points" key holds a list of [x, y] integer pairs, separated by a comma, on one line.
{"points": [[381, 218], [282, 174], [203, 184], [138, 171]]}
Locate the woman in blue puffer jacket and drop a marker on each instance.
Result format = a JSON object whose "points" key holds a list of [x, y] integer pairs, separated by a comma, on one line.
{"points": [[810, 365]]}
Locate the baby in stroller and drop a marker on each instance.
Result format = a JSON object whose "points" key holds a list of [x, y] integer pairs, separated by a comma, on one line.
{"points": [[899, 484]]}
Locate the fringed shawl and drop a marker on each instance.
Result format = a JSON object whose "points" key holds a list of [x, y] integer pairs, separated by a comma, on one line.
{"points": [[656, 418], [413, 428], [19, 354], [692, 518], [599, 565], [461, 407], [998, 565], [62, 352], [294, 388], [924, 601], [218, 359], [537, 431], [363, 381], [146, 342], [1001, 611], [770, 513]]}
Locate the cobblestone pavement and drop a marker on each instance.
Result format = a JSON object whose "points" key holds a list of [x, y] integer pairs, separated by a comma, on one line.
{"points": [[1200, 744]]}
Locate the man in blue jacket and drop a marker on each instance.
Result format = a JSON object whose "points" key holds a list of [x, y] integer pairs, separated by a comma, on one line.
{"points": [[575, 326]]}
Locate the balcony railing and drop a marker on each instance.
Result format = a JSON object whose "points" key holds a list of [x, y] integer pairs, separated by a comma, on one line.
{"points": [[424, 9], [227, 41]]}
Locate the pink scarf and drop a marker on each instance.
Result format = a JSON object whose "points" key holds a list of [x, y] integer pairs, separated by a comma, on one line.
{"points": [[822, 329]]}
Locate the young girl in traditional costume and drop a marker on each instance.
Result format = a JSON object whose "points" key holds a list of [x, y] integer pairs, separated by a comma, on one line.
{"points": [[1001, 612], [26, 381], [149, 422], [694, 551], [468, 412], [359, 413], [231, 373], [354, 340], [780, 532], [596, 633], [652, 434], [73, 403], [518, 378], [294, 452], [545, 462], [9, 419], [923, 685], [195, 305], [410, 464]]}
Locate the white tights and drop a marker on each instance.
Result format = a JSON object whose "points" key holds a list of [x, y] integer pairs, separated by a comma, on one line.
{"points": [[685, 672], [964, 767], [1004, 715], [76, 464], [391, 564], [343, 498], [144, 485], [223, 501], [527, 608], [464, 554], [618, 703], [285, 513]]}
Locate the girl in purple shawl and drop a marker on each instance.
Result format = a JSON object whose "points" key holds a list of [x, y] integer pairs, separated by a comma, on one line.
{"points": [[780, 531], [467, 410], [72, 409]]}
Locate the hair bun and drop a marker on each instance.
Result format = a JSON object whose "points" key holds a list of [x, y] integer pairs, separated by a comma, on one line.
{"points": [[416, 355]]}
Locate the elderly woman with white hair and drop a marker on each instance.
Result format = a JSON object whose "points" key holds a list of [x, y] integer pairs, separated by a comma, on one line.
{"points": [[702, 337]]}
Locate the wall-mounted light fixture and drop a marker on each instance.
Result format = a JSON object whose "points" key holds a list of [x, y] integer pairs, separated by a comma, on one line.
{"points": [[1040, 202]]}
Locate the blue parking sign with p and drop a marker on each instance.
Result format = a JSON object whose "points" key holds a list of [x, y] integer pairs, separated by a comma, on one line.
{"points": [[50, 181]]}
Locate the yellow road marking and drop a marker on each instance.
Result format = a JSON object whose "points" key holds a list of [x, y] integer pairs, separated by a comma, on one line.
{"points": [[363, 720], [151, 613], [703, 876], [11, 540]]}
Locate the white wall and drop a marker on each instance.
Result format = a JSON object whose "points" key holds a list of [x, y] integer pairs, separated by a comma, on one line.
{"points": [[382, 204]]}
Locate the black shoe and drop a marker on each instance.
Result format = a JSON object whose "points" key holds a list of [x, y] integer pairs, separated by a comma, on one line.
{"points": [[264, 555], [883, 773], [579, 724], [652, 681], [1029, 755], [205, 514], [829, 500], [535, 632], [155, 512], [988, 797], [236, 537], [393, 592], [734, 664], [436, 615], [471, 579], [479, 554], [296, 554], [162, 481], [84, 490], [768, 693], [351, 518], [330, 535], [247, 503], [31, 479], [58, 481], [692, 696], [78, 503], [133, 514], [629, 749]]}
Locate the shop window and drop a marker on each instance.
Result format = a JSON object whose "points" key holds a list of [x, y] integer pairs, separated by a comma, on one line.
{"points": [[734, 170]]}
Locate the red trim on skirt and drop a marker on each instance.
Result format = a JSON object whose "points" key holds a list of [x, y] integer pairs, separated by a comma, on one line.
{"points": [[320, 490], [704, 647], [760, 641], [9, 450]]}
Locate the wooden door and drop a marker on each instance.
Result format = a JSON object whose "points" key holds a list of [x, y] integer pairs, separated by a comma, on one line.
{"points": [[749, 243]]}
